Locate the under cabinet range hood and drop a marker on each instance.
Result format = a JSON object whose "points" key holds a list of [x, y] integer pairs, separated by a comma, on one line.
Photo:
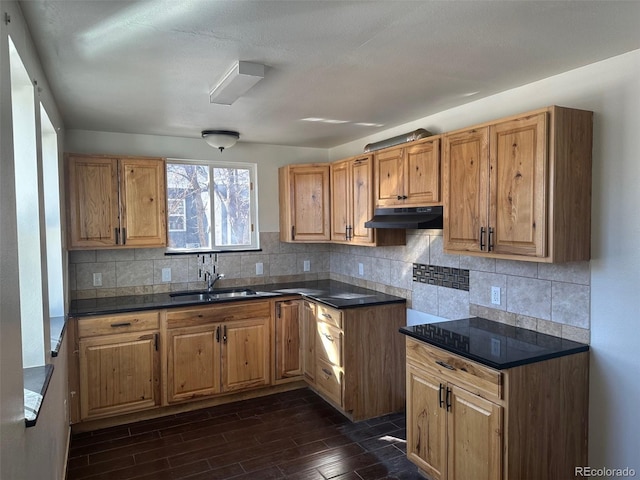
{"points": [[406, 217]]}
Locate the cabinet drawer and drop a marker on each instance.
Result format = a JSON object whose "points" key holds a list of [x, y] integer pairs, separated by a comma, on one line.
{"points": [[330, 315], [217, 313], [468, 374], [329, 344], [329, 381], [128, 322]]}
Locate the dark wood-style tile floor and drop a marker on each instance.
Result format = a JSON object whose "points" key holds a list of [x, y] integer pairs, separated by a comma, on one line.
{"points": [[292, 435]]}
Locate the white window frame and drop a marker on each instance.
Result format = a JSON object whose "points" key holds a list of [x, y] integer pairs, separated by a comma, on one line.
{"points": [[253, 205], [184, 215]]}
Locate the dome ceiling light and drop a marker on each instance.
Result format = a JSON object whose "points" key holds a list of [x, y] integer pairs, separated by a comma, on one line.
{"points": [[220, 139]]}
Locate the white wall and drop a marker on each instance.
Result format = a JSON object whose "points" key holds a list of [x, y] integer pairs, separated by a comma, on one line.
{"points": [[40, 451], [612, 90], [267, 157]]}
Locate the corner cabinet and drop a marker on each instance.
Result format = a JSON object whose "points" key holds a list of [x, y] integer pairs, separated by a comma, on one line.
{"points": [[354, 358], [115, 202], [119, 364], [466, 420], [352, 205], [520, 188], [408, 175], [304, 203]]}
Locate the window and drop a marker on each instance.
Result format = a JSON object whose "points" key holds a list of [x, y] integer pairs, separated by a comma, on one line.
{"points": [[211, 206], [27, 212]]}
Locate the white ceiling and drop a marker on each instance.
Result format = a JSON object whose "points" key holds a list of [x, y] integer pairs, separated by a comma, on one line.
{"points": [[147, 66]]}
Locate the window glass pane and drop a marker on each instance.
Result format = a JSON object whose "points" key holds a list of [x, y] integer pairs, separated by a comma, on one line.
{"points": [[189, 206], [232, 204], [51, 175]]}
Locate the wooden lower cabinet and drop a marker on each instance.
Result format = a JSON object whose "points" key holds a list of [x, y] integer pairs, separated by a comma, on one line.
{"points": [[206, 356], [358, 358], [118, 365], [288, 339], [465, 420], [308, 321]]}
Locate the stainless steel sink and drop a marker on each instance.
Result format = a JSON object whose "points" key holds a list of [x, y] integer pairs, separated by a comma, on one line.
{"points": [[212, 296]]}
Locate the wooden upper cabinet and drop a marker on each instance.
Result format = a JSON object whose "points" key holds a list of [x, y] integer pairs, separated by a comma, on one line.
{"points": [[520, 188], [142, 193], [352, 205], [408, 175], [304, 203], [116, 201]]}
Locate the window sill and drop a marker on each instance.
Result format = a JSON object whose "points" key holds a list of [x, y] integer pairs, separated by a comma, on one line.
{"points": [[57, 325], [207, 252], [36, 381]]}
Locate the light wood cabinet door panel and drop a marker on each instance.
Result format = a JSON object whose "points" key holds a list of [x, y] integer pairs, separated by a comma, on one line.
{"points": [[143, 192], [340, 204], [361, 200], [422, 173], [245, 354], [119, 374], [518, 198], [304, 203], [426, 423], [465, 189], [389, 177], [92, 201], [474, 430], [193, 362], [309, 340], [288, 325]]}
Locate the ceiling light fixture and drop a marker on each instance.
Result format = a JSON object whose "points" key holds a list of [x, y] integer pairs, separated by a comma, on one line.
{"points": [[220, 139], [237, 81]]}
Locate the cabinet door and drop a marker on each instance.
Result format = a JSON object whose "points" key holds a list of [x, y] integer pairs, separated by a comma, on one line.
{"points": [[340, 200], [309, 210], [518, 199], [426, 423], [389, 181], [119, 374], [361, 199], [474, 430], [422, 173], [92, 198], [193, 362], [143, 192], [309, 340], [288, 339], [465, 178], [245, 354]]}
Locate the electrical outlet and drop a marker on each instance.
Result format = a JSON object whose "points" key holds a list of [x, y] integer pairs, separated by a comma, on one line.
{"points": [[495, 295], [166, 274], [259, 268], [360, 269], [307, 265], [495, 347], [97, 279]]}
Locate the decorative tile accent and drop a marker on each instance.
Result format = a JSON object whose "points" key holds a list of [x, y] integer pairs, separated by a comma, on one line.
{"points": [[449, 277]]}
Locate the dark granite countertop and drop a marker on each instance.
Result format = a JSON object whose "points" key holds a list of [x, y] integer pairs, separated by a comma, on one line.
{"points": [[329, 292], [493, 344]]}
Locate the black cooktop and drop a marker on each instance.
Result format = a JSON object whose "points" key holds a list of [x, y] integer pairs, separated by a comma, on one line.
{"points": [[493, 344]]}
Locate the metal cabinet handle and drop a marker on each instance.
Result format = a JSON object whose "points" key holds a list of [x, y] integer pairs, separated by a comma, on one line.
{"points": [[124, 235], [448, 399], [328, 337], [224, 335], [445, 365], [327, 372], [490, 246], [440, 399], [122, 324], [218, 334], [326, 315], [481, 238]]}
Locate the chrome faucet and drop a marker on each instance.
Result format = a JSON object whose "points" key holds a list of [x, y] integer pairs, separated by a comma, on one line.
{"points": [[211, 279]]}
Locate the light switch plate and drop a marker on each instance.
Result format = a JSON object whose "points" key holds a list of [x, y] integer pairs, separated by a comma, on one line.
{"points": [[307, 265], [259, 268], [360, 269], [97, 279]]}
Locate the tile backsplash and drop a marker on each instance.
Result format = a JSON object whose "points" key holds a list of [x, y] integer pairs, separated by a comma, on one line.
{"points": [[552, 299]]}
